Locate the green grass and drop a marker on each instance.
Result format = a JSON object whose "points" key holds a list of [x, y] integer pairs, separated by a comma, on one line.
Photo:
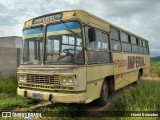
{"points": [[8, 85], [155, 69], [144, 97], [8, 95]]}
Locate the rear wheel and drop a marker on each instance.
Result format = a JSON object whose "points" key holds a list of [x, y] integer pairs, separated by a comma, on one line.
{"points": [[103, 99], [139, 78]]}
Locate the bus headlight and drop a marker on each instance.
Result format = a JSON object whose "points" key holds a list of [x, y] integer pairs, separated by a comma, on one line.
{"points": [[64, 80], [23, 78], [20, 77], [70, 80], [67, 81]]}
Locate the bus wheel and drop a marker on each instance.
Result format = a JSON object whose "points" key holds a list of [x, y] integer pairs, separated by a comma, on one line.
{"points": [[103, 99], [139, 78]]}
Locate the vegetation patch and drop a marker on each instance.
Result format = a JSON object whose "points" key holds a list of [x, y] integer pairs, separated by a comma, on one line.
{"points": [[144, 97], [8, 95], [155, 69]]}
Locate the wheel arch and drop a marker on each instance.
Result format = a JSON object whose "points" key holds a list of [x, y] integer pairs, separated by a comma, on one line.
{"points": [[141, 71], [110, 82]]}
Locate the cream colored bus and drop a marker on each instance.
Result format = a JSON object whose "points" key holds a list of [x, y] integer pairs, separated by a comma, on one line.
{"points": [[76, 57]]}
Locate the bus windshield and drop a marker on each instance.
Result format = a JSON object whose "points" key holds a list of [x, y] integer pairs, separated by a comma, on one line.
{"points": [[32, 45], [64, 43]]}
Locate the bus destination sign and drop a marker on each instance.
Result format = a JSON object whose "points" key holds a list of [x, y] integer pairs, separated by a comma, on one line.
{"points": [[47, 18]]}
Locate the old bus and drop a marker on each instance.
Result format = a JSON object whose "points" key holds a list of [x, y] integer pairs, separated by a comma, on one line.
{"points": [[76, 57]]}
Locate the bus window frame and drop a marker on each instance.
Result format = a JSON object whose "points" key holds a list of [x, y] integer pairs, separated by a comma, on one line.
{"points": [[43, 41], [59, 22], [107, 50], [120, 50], [145, 47], [134, 44], [129, 41]]}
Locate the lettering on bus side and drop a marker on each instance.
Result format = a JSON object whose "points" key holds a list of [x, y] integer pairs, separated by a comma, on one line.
{"points": [[120, 63], [131, 62]]}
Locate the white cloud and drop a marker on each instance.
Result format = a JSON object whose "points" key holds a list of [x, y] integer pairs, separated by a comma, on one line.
{"points": [[137, 16], [11, 30]]}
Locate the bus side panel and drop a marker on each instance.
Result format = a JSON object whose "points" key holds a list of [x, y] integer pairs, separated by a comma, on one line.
{"points": [[80, 79], [125, 79], [147, 60], [127, 66], [124, 62], [119, 61], [95, 77], [146, 70]]}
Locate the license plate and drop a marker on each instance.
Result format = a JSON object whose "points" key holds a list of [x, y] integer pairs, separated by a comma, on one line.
{"points": [[37, 95]]}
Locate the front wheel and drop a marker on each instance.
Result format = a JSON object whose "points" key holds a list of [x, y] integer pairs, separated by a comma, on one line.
{"points": [[103, 99]]}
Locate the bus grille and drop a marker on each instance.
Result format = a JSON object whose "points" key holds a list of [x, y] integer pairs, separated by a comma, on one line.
{"points": [[54, 80]]}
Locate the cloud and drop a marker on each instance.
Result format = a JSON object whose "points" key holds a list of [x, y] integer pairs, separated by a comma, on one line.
{"points": [[138, 16]]}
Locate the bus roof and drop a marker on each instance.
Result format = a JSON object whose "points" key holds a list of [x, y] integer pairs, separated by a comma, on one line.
{"points": [[84, 17]]}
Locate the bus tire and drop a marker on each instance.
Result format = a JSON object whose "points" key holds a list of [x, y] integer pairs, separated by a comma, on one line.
{"points": [[103, 99], [139, 78]]}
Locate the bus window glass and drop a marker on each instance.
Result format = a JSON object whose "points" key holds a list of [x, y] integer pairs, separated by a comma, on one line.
{"points": [[79, 42], [114, 34], [65, 39], [146, 50], [105, 41], [32, 48], [67, 43], [124, 37], [56, 46], [126, 47], [141, 49], [116, 46], [98, 50], [140, 42], [31, 51], [144, 43], [140, 46], [133, 40], [135, 49]]}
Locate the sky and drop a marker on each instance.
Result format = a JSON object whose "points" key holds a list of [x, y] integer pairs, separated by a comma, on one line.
{"points": [[141, 17]]}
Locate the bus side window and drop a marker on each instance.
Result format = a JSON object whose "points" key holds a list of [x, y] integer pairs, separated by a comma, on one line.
{"points": [[115, 40], [126, 43], [134, 42], [98, 49], [145, 47], [140, 46]]}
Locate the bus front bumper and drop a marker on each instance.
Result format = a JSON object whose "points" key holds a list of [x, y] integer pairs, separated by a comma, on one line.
{"points": [[80, 97]]}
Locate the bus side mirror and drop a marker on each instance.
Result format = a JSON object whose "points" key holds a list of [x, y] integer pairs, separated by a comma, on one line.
{"points": [[91, 34]]}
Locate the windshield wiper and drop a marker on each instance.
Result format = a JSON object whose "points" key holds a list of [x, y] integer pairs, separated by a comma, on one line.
{"points": [[69, 29]]}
